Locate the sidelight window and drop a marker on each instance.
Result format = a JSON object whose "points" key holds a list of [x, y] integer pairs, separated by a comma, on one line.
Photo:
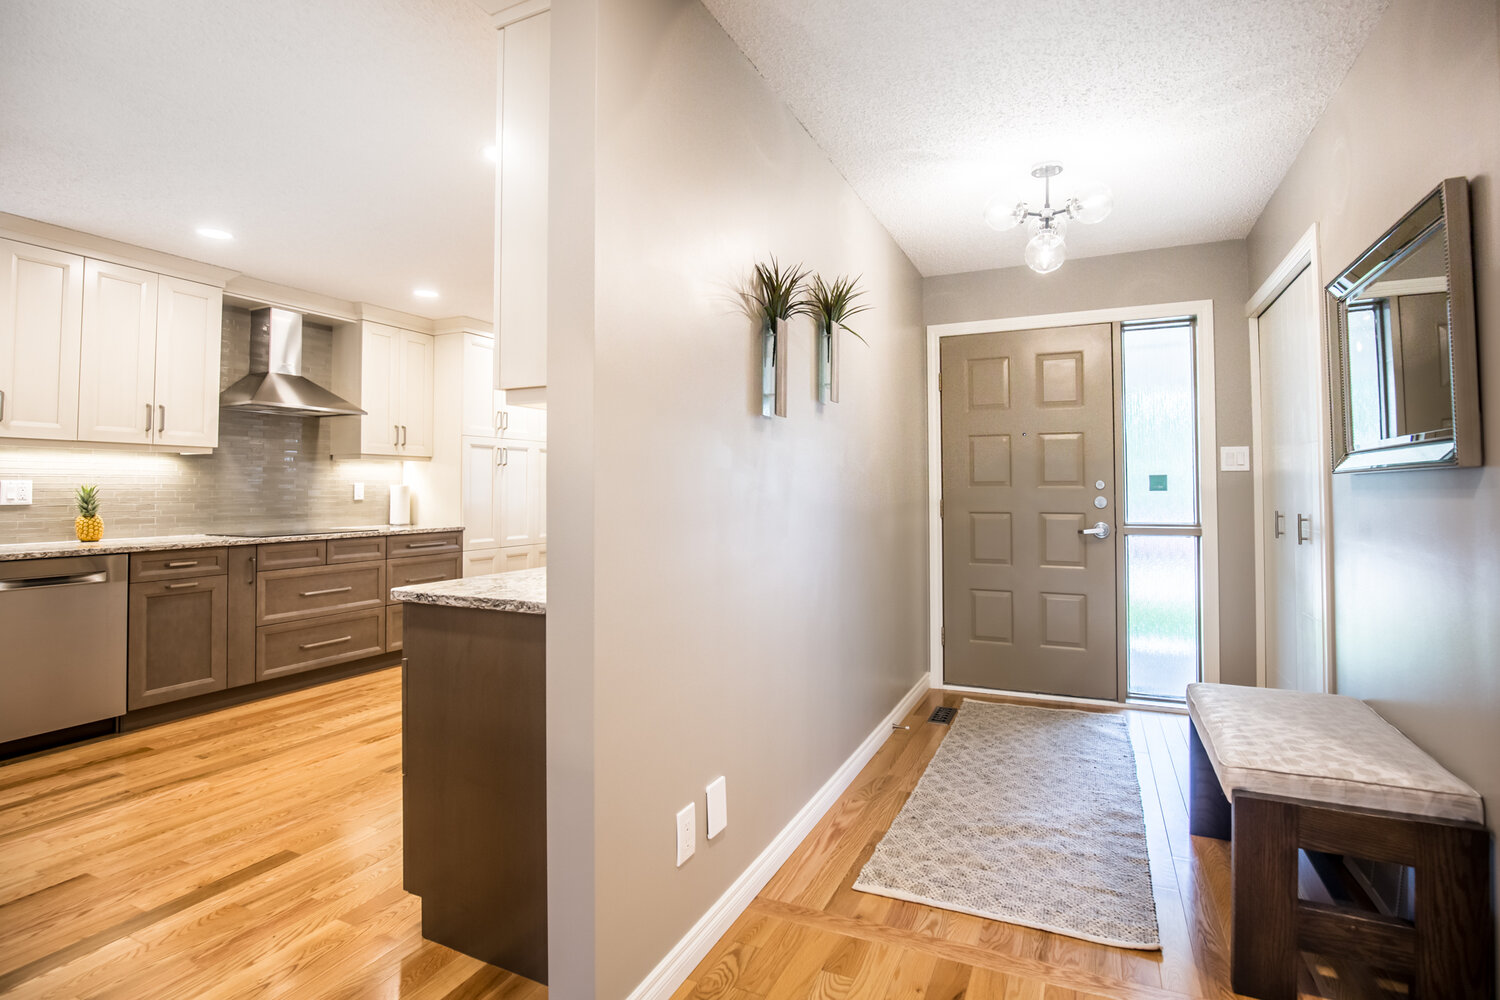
{"points": [[1162, 527]]}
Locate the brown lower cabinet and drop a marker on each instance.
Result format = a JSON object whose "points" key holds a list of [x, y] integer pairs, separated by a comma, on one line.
{"points": [[178, 645], [318, 642]]}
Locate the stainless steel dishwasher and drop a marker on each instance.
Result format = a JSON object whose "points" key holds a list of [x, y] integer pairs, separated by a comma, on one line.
{"points": [[62, 643]]}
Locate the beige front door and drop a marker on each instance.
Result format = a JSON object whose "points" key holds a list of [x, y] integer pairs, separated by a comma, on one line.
{"points": [[1028, 446]]}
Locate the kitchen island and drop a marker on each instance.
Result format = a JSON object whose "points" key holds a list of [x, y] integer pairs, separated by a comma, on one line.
{"points": [[474, 765]]}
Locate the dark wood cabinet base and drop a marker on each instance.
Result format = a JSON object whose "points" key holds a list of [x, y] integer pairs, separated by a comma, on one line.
{"points": [[474, 788]]}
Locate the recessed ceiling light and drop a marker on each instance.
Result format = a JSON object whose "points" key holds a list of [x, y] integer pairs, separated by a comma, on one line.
{"points": [[425, 293], [210, 233], [491, 153]]}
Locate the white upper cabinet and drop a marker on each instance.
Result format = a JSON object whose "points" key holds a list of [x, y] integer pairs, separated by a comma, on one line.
{"points": [[480, 414], [526, 423], [188, 337], [117, 368], [388, 372], [414, 395], [521, 204], [41, 302]]}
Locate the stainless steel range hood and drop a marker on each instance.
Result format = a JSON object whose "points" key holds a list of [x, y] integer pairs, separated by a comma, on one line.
{"points": [[279, 387]]}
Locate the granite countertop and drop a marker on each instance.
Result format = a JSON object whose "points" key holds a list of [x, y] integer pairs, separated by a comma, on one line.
{"points": [[523, 591], [172, 543]]}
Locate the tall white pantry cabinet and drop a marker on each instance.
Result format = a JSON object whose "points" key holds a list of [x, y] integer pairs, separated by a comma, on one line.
{"points": [[489, 462]]}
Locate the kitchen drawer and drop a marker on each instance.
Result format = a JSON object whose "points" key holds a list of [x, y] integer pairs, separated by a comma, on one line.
{"points": [[423, 569], [290, 555], [146, 566], [348, 550], [292, 647], [393, 627], [290, 594], [400, 546]]}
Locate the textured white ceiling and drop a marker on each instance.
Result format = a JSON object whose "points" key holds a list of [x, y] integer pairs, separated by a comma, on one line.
{"points": [[339, 140], [1190, 111]]}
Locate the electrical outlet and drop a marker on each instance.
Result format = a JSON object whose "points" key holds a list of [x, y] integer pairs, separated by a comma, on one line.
{"points": [[687, 833], [359, 491], [15, 492], [718, 807]]}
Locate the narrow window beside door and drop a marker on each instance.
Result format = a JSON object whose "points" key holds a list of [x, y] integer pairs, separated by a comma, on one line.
{"points": [[1161, 525]]}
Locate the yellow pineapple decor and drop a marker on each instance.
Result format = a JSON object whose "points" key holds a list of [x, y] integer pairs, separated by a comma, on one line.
{"points": [[87, 524]]}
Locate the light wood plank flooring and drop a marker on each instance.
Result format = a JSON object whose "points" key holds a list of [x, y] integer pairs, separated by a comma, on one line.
{"points": [[254, 851], [810, 935]]}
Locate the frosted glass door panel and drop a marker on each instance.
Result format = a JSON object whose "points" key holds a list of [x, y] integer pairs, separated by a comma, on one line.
{"points": [[1161, 614]]}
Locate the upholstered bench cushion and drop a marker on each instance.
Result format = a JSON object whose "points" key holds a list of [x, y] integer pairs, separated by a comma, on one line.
{"points": [[1322, 748]]}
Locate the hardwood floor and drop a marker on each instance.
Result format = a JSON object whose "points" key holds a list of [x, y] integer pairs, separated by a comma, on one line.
{"points": [[810, 935], [254, 851]]}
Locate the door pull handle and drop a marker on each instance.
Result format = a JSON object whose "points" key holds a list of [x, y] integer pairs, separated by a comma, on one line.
{"points": [[1279, 525], [1303, 519], [1100, 530]]}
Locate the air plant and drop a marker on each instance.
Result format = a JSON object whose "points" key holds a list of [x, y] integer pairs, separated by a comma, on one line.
{"points": [[776, 290], [831, 305]]}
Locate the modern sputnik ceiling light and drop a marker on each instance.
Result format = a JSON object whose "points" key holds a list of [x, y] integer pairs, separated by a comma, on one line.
{"points": [[1045, 252]]}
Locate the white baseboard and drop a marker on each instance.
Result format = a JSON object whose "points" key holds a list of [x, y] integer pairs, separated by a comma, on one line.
{"points": [[674, 968]]}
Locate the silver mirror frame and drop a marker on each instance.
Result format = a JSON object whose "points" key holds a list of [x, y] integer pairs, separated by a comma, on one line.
{"points": [[1462, 448]]}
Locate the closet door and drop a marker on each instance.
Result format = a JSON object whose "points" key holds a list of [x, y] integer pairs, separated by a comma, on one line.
{"points": [[117, 367], [41, 301]]}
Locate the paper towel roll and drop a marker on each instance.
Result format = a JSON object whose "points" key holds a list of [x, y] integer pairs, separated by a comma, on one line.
{"points": [[400, 503]]}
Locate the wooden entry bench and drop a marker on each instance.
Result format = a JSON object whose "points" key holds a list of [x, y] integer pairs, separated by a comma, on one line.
{"points": [[1274, 771]]}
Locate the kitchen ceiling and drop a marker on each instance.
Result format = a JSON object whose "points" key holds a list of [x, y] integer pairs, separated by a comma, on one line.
{"points": [[1190, 111], [339, 141]]}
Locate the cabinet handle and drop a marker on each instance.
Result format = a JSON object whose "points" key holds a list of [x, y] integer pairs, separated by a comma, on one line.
{"points": [[403, 435], [325, 642], [1301, 520], [182, 564], [504, 416], [148, 418], [182, 586], [252, 571], [161, 419], [330, 590], [2, 406], [426, 545], [426, 579], [504, 456], [395, 434], [1277, 527]]}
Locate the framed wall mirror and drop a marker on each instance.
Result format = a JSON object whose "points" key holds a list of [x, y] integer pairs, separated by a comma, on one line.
{"points": [[1405, 379]]}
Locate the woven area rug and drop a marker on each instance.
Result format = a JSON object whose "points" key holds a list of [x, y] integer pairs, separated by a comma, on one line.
{"points": [[1031, 816]]}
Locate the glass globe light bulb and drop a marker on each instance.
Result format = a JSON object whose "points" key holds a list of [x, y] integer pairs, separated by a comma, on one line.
{"points": [[1091, 203], [1046, 252], [1001, 214]]}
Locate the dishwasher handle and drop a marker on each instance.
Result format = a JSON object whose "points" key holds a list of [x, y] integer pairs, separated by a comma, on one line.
{"points": [[37, 583]]}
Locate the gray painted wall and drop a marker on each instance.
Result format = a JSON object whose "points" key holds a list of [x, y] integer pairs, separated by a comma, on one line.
{"points": [[728, 594], [1416, 554], [1217, 271]]}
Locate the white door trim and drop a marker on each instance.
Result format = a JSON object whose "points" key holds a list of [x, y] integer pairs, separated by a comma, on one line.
{"points": [[1208, 448], [1304, 254]]}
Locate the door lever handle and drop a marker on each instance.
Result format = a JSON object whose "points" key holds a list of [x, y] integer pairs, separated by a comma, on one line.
{"points": [[1278, 526], [1100, 530]]}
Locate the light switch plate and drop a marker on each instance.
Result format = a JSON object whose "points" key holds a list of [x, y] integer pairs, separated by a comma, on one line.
{"points": [[359, 491], [718, 807], [687, 833], [1234, 458], [15, 492]]}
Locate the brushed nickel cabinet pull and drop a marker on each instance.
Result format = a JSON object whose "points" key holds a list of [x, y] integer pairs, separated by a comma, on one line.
{"points": [[182, 586], [403, 435], [426, 545], [161, 418], [1304, 519], [1280, 520], [426, 579], [182, 564], [395, 434], [148, 418], [252, 571], [326, 642], [2, 406], [330, 590]]}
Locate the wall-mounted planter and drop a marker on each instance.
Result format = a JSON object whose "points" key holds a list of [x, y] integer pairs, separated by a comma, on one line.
{"points": [[828, 364], [773, 339]]}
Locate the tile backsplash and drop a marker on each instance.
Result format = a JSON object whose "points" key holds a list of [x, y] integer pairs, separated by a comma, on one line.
{"points": [[266, 468]]}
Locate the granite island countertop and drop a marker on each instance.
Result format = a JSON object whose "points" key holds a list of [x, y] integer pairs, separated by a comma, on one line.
{"points": [[523, 591], [173, 543]]}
